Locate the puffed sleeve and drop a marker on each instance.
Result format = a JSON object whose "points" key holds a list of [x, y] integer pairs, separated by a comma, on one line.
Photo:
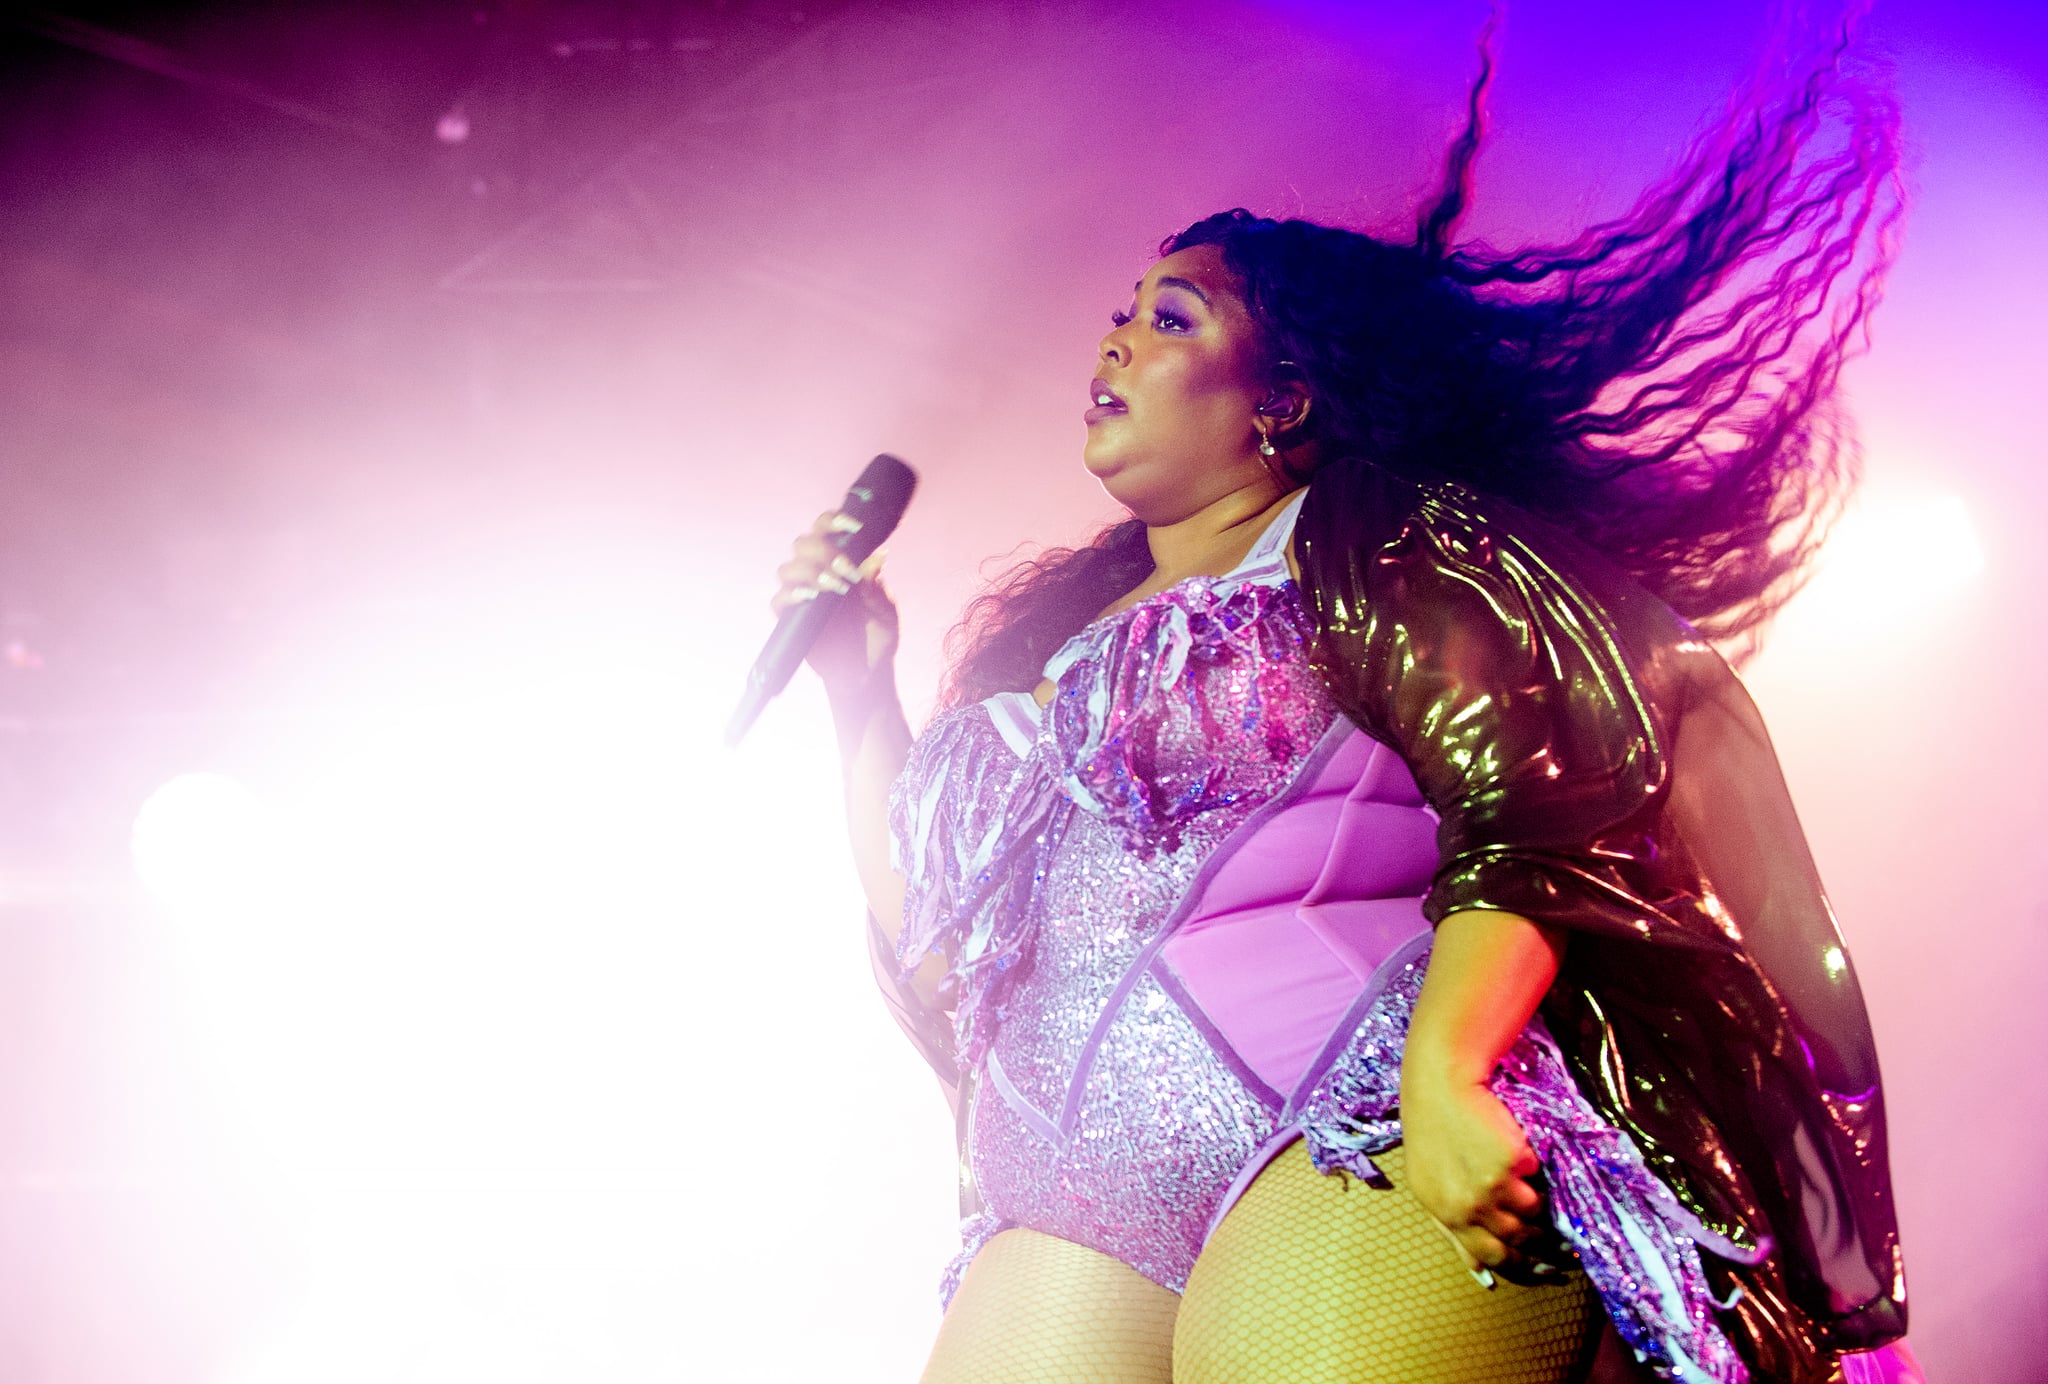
{"points": [[1450, 639]]}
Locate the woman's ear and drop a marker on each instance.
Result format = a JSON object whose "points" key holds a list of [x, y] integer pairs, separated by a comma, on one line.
{"points": [[1288, 403]]}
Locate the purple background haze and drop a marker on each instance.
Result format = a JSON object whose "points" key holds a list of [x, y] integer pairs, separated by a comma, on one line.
{"points": [[298, 399]]}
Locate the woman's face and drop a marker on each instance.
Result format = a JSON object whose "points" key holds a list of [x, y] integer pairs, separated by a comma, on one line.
{"points": [[1182, 372]]}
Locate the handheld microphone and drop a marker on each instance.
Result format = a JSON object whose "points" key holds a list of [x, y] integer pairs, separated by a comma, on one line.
{"points": [[878, 499]]}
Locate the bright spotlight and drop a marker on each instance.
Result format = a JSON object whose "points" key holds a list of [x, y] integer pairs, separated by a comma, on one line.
{"points": [[202, 843], [1926, 542], [1894, 557]]}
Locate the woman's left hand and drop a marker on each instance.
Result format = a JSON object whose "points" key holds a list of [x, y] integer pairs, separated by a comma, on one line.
{"points": [[1469, 1165]]}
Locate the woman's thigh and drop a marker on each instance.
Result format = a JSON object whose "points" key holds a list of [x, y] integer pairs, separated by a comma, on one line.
{"points": [[1034, 1307], [1317, 1280]]}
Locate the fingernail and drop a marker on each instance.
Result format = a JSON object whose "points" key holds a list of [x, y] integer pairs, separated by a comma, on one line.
{"points": [[845, 569], [803, 593], [829, 582], [1483, 1277], [845, 523]]}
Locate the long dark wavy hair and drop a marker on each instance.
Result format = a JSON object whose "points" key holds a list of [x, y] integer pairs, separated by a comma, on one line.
{"points": [[1664, 385]]}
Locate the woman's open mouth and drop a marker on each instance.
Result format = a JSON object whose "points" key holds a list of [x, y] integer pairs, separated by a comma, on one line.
{"points": [[1105, 402]]}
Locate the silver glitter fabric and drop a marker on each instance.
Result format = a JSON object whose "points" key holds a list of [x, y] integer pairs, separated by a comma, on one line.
{"points": [[1051, 877], [1181, 715], [1107, 1118]]}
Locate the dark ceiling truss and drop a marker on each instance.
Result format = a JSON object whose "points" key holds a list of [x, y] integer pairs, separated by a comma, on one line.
{"points": [[141, 54], [767, 150]]}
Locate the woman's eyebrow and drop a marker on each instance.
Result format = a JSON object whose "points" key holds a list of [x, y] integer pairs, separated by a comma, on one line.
{"points": [[1173, 281]]}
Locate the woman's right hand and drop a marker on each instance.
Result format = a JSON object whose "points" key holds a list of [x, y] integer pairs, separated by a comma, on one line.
{"points": [[860, 641], [1470, 1166]]}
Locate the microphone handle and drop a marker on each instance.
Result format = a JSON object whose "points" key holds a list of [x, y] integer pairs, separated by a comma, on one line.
{"points": [[793, 635]]}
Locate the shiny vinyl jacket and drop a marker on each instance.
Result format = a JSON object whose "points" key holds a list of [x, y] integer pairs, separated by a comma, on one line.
{"points": [[1595, 764]]}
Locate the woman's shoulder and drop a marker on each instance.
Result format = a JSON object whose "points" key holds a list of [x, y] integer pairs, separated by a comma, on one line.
{"points": [[1379, 547]]}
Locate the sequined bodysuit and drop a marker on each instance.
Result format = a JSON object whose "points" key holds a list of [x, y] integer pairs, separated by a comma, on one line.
{"points": [[1182, 910]]}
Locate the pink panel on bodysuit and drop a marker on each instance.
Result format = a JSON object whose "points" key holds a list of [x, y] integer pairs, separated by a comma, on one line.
{"points": [[1294, 923]]}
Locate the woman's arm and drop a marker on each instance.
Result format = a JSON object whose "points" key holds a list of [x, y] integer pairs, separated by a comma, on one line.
{"points": [[874, 740], [1468, 1161], [855, 657]]}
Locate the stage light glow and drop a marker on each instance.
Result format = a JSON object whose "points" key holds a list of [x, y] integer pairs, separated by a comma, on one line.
{"points": [[544, 958], [204, 844], [1894, 559]]}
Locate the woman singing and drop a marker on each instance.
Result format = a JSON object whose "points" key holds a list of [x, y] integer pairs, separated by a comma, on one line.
{"points": [[1356, 874]]}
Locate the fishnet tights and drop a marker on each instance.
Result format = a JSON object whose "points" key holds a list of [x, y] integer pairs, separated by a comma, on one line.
{"points": [[1326, 1280], [1034, 1308], [1310, 1279]]}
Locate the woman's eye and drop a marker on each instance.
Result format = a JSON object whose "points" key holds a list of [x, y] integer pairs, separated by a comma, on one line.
{"points": [[1168, 321]]}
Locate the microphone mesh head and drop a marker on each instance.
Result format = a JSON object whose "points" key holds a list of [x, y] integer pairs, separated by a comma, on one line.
{"points": [[878, 499]]}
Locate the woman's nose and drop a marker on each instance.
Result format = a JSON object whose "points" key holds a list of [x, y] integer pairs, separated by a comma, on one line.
{"points": [[1113, 350]]}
